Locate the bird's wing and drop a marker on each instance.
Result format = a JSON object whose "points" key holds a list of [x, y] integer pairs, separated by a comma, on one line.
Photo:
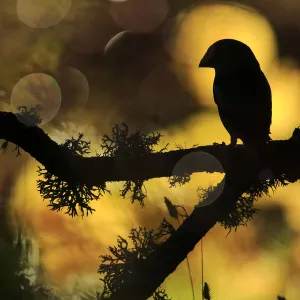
{"points": [[245, 102], [245, 89]]}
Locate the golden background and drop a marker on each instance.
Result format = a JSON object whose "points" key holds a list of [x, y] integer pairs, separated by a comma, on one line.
{"points": [[238, 266]]}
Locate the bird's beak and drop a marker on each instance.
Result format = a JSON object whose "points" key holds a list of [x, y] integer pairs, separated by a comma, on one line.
{"points": [[207, 60]]}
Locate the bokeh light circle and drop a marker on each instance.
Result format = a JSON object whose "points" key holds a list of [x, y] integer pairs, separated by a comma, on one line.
{"points": [[2, 93], [139, 15], [3, 104], [87, 27], [158, 86], [42, 14], [115, 40], [188, 38], [74, 88], [37, 89], [200, 160], [206, 24]]}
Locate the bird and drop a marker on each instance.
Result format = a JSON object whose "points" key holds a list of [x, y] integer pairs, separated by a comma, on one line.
{"points": [[241, 92]]}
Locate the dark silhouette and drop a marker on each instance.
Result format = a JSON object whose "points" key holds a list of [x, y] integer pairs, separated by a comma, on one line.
{"points": [[241, 91], [74, 177], [69, 171]]}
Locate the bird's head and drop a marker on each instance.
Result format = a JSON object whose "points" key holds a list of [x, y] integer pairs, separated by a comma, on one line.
{"points": [[228, 54]]}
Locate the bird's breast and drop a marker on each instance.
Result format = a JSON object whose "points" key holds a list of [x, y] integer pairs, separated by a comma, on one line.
{"points": [[244, 90]]}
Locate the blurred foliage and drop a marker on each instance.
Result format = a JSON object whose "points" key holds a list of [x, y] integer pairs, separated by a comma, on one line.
{"points": [[14, 281], [272, 229]]}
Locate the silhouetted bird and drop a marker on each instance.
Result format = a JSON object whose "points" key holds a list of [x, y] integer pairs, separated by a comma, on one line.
{"points": [[241, 92]]}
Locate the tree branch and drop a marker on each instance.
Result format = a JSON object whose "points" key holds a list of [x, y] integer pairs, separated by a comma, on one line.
{"points": [[150, 273], [282, 157]]}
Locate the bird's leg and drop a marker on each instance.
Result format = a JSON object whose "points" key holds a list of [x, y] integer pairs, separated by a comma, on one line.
{"points": [[233, 140], [229, 150]]}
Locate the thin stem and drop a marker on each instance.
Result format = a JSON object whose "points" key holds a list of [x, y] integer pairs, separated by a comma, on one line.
{"points": [[190, 274], [191, 278], [202, 268]]}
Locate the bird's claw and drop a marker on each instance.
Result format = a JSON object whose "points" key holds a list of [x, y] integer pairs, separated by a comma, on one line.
{"points": [[217, 144]]}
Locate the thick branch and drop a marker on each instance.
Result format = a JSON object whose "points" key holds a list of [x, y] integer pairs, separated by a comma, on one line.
{"points": [[150, 273], [282, 156]]}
